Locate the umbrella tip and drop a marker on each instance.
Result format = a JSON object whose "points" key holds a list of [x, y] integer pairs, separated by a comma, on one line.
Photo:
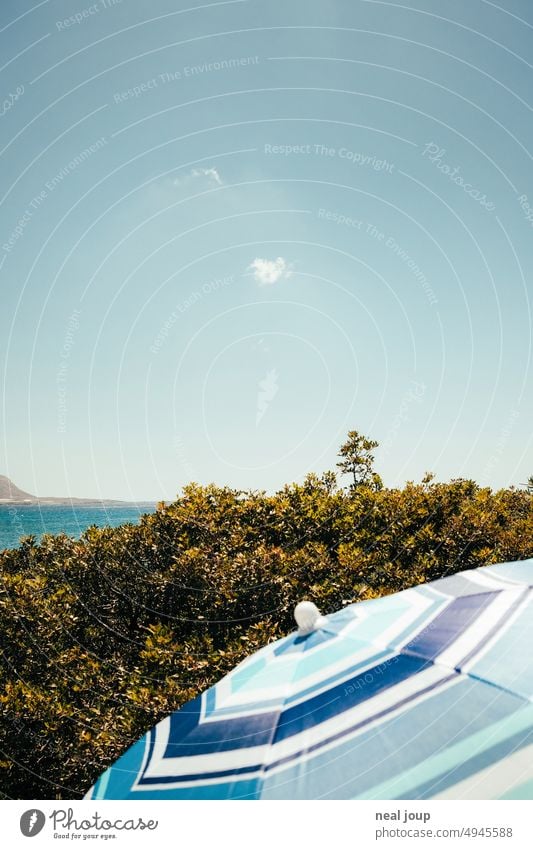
{"points": [[307, 617]]}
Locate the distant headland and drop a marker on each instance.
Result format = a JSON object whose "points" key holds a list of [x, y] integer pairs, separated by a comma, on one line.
{"points": [[11, 494]]}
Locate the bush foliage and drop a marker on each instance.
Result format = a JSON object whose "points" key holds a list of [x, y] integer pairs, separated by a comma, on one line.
{"points": [[103, 636]]}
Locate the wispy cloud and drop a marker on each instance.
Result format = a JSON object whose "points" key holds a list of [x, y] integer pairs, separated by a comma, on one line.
{"points": [[268, 389], [268, 271]]}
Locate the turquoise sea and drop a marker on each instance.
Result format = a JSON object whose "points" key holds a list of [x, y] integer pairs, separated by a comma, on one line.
{"points": [[37, 519]]}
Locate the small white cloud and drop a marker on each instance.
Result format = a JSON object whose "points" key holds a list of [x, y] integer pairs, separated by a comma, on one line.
{"points": [[210, 173], [269, 271]]}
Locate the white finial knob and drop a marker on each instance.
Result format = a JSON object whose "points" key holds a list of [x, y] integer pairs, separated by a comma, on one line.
{"points": [[307, 617]]}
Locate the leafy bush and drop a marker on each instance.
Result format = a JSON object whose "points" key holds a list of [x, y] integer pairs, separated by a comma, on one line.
{"points": [[103, 636]]}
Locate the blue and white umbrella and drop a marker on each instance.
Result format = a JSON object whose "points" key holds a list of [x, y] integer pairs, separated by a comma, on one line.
{"points": [[425, 694]]}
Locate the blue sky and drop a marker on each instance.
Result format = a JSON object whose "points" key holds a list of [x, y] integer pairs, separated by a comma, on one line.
{"points": [[233, 231]]}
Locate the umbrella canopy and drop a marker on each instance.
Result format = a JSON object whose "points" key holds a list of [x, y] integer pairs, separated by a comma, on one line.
{"points": [[419, 695]]}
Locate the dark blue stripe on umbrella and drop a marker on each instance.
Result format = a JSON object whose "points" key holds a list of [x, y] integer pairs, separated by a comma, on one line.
{"points": [[151, 744], [226, 773], [188, 736], [448, 626]]}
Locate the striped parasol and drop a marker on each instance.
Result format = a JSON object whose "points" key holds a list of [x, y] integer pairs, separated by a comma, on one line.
{"points": [[425, 694]]}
